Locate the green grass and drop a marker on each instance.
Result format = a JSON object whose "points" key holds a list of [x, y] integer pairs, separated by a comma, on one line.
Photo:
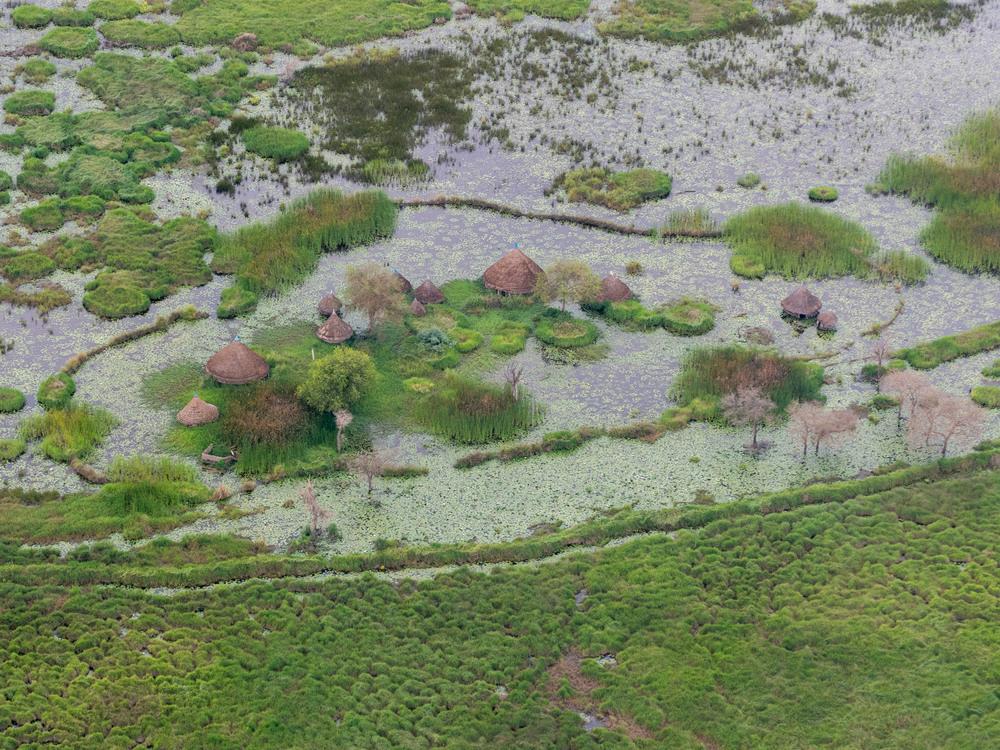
{"points": [[694, 222], [25, 266], [11, 400], [277, 23], [749, 180], [31, 16], [563, 330], [987, 395], [514, 10], [30, 102], [823, 194], [689, 317], [70, 432], [817, 626], [56, 391], [798, 241], [620, 191], [930, 354], [135, 33], [11, 448], [70, 41], [280, 144], [113, 10], [992, 370], [68, 16], [36, 70]]}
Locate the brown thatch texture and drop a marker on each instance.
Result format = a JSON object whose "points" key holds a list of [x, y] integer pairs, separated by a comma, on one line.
{"points": [[404, 284], [827, 321], [417, 308], [329, 305], [197, 412], [801, 303], [335, 330], [428, 294], [614, 289], [236, 364], [514, 273]]}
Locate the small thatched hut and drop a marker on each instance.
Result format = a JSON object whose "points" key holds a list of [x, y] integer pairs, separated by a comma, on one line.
{"points": [[428, 294], [827, 321], [197, 412], [801, 304], [329, 305], [614, 289], [514, 273], [335, 330], [417, 309], [404, 284], [236, 364]]}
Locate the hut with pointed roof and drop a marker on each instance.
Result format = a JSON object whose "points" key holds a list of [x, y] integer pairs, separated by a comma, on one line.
{"points": [[329, 305], [614, 289], [404, 284], [428, 294], [335, 330], [801, 304], [237, 364], [417, 309], [514, 273], [197, 412], [827, 321]]}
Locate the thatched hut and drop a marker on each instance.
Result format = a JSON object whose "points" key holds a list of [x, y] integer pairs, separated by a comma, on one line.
{"points": [[417, 308], [329, 305], [404, 284], [514, 273], [827, 321], [428, 294], [614, 289], [801, 304], [236, 364], [335, 330], [197, 412]]}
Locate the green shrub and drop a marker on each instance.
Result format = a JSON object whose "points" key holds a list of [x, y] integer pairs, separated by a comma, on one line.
{"points": [[56, 391], [338, 380], [31, 16], [135, 33], [30, 102], [11, 400], [620, 191], [689, 317], [987, 395], [930, 354], [25, 266], [70, 41], [113, 10], [823, 194], [10, 448], [280, 144], [72, 432], [749, 180]]}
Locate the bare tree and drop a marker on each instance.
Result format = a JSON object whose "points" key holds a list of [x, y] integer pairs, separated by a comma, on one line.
{"points": [[879, 354], [834, 427], [367, 465], [748, 407], [317, 515], [512, 375], [568, 281], [812, 424], [805, 418], [344, 418], [374, 290], [907, 386], [940, 418]]}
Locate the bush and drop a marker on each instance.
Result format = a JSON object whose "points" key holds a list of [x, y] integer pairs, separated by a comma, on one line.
{"points": [[11, 400], [823, 194], [31, 16], [338, 380], [30, 102], [56, 391], [987, 395], [10, 448], [688, 317], [69, 41], [280, 144]]}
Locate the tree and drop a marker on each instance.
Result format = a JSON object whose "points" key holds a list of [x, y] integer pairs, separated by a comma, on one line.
{"points": [[804, 420], [367, 465], [567, 281], [337, 380], [344, 418], [907, 386], [512, 375], [317, 514], [879, 354], [812, 424], [940, 417], [748, 407], [374, 290]]}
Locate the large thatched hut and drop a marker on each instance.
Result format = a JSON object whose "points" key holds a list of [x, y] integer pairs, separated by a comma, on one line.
{"points": [[428, 294], [197, 412], [236, 364], [335, 330], [801, 304], [329, 305], [514, 273], [614, 289]]}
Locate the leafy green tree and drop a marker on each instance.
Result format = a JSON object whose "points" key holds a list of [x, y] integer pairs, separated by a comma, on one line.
{"points": [[337, 380], [568, 281]]}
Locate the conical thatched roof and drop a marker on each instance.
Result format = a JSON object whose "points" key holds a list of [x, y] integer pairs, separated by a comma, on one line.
{"points": [[614, 289], [197, 412], [801, 303], [335, 330], [329, 305], [827, 321], [404, 284], [428, 294], [514, 273], [236, 364], [417, 308]]}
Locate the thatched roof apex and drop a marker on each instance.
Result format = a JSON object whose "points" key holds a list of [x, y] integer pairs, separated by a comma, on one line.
{"points": [[236, 364], [614, 289], [197, 412], [428, 294], [827, 321], [335, 330], [801, 303], [329, 305], [514, 273], [417, 308]]}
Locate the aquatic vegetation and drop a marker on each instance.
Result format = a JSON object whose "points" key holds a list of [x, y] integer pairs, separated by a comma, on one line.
{"points": [[986, 395], [136, 33], [25, 266], [695, 222], [70, 41], [749, 180], [930, 354], [280, 144], [688, 316], [515, 10], [992, 370], [561, 329], [30, 102], [66, 15], [70, 432], [11, 448], [36, 70], [797, 241], [113, 10], [47, 297], [11, 400], [823, 194], [620, 191], [31, 16], [56, 391]]}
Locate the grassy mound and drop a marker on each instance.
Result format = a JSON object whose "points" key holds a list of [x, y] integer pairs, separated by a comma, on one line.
{"points": [[660, 21], [620, 191], [689, 317], [25, 266], [515, 10], [31, 16], [987, 395], [68, 433], [135, 33], [30, 102], [797, 241], [280, 144], [563, 330], [113, 10], [56, 391], [11, 448], [930, 354], [823, 194], [11, 400], [36, 70], [70, 41]]}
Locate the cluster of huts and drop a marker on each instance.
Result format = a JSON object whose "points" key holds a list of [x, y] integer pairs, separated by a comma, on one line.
{"points": [[804, 305]]}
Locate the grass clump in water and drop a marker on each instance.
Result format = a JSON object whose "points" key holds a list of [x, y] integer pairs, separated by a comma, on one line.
{"points": [[693, 222], [823, 194], [31, 16], [620, 191], [986, 395], [11, 400], [30, 102], [929, 355], [557, 328], [56, 391], [280, 144], [36, 70], [68, 433], [515, 10], [11, 448], [70, 41], [136, 33]]}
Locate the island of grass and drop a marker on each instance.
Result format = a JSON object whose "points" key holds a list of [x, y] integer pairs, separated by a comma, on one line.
{"points": [[798, 241], [280, 144], [823, 194], [30, 102], [986, 395], [620, 191], [687, 316], [70, 41], [11, 400], [515, 10], [930, 354], [965, 190], [135, 33], [31, 16]]}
